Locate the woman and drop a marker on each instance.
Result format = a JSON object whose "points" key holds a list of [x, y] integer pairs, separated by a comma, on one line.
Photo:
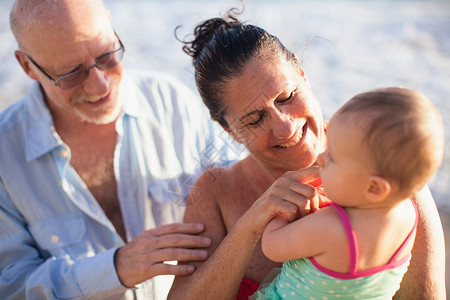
{"points": [[257, 91]]}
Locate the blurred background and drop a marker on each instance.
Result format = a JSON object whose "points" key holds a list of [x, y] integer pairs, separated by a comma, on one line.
{"points": [[346, 47]]}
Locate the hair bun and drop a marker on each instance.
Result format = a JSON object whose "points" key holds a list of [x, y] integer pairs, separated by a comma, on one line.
{"points": [[204, 32]]}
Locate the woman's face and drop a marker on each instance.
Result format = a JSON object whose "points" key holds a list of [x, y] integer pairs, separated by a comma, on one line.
{"points": [[271, 109]]}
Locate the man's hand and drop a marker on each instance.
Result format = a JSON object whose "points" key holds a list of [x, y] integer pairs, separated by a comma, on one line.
{"points": [[144, 257]]}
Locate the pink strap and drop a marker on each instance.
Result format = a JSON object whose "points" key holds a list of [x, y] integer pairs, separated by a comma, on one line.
{"points": [[353, 241], [408, 238], [351, 237]]}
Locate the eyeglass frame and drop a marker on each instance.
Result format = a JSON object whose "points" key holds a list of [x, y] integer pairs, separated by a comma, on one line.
{"points": [[56, 81]]}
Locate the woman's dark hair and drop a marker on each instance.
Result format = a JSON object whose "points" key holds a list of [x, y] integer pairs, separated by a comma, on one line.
{"points": [[220, 49]]}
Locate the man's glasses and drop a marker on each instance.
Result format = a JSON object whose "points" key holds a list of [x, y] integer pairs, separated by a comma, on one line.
{"points": [[104, 62]]}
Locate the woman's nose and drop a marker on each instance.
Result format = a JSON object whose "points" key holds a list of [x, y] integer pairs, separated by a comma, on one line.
{"points": [[283, 125]]}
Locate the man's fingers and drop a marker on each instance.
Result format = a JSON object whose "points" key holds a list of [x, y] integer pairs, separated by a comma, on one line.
{"points": [[187, 228], [178, 241], [177, 254], [135, 262], [177, 270]]}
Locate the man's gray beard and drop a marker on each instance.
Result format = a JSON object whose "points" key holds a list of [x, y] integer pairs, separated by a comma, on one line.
{"points": [[104, 118]]}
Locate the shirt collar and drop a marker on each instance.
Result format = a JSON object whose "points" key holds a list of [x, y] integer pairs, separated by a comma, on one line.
{"points": [[134, 102], [41, 136]]}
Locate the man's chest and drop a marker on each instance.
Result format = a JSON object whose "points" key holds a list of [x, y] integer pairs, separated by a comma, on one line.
{"points": [[97, 172]]}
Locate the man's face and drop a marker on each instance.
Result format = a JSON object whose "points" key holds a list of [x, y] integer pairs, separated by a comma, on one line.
{"points": [[63, 48]]}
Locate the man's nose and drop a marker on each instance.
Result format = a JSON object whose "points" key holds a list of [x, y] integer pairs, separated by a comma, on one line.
{"points": [[97, 82]]}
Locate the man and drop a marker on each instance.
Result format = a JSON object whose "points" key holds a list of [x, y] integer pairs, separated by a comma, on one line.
{"points": [[91, 164]]}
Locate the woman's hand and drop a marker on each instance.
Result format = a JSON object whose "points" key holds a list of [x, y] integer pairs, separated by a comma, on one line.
{"points": [[289, 195]]}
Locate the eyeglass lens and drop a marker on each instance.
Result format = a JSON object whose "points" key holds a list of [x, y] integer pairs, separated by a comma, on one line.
{"points": [[102, 63]]}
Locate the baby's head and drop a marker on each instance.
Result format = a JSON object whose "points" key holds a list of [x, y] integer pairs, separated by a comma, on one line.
{"points": [[401, 133]]}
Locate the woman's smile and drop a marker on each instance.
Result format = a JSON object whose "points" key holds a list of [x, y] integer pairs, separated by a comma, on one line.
{"points": [[296, 139]]}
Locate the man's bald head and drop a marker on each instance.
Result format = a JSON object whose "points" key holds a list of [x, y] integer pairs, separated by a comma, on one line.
{"points": [[61, 15]]}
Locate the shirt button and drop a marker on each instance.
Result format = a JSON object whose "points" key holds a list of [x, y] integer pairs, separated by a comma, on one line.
{"points": [[54, 238], [64, 153]]}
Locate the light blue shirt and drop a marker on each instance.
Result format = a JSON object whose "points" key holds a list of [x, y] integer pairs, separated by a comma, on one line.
{"points": [[55, 239]]}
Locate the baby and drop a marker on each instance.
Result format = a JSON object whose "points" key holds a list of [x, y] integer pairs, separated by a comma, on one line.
{"points": [[382, 147]]}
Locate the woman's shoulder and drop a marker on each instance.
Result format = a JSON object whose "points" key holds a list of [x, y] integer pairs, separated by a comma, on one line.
{"points": [[212, 188], [219, 178], [225, 182]]}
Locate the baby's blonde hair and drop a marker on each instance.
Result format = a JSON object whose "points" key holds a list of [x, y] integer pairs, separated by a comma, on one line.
{"points": [[403, 133]]}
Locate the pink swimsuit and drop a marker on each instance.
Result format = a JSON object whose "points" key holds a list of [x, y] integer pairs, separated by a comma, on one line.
{"points": [[354, 250]]}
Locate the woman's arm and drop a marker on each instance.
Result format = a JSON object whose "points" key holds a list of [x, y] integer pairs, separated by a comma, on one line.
{"points": [[226, 264], [220, 276], [425, 278]]}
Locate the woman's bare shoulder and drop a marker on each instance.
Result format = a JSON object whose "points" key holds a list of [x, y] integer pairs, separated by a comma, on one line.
{"points": [[202, 203], [220, 179]]}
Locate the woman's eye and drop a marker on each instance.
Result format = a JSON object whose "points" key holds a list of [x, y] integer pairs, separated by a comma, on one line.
{"points": [[291, 96], [257, 121]]}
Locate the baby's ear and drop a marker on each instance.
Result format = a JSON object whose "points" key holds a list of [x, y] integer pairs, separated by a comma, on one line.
{"points": [[378, 189]]}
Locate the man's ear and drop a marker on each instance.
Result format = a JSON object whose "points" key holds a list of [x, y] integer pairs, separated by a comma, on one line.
{"points": [[25, 64], [378, 189]]}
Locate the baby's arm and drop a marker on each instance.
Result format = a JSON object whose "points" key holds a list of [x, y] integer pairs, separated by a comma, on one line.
{"points": [[305, 237], [276, 223]]}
